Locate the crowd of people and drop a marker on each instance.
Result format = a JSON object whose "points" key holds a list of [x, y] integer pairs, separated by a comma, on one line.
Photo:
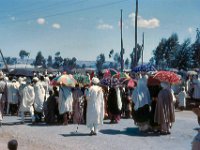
{"points": [[150, 105]]}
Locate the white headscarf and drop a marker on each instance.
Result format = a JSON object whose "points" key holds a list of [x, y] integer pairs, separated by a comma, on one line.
{"points": [[141, 95]]}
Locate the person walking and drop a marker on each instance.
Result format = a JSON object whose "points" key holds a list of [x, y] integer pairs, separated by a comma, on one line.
{"points": [[95, 107]]}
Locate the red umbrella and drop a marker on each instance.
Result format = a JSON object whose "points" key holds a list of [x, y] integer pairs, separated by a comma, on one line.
{"points": [[167, 76]]}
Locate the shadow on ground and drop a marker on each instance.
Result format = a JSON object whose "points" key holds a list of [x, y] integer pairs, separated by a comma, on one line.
{"points": [[129, 132], [75, 134]]}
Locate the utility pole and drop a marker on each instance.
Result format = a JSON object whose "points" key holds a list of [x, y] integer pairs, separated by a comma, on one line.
{"points": [[136, 14], [142, 48], [4, 60], [122, 49]]}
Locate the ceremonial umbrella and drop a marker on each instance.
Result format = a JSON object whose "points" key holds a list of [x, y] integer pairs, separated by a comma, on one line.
{"points": [[191, 72], [21, 72], [110, 72], [167, 76], [64, 79], [82, 79], [144, 68]]}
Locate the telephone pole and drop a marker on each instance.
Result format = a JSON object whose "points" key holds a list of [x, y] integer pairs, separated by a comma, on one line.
{"points": [[136, 14], [4, 60], [142, 48], [122, 49]]}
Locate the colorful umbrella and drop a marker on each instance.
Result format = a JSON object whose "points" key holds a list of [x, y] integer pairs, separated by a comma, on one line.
{"points": [[192, 73], [64, 79], [82, 79], [167, 76], [144, 68], [110, 72], [131, 83]]}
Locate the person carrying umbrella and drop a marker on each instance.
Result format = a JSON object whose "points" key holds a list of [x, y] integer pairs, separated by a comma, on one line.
{"points": [[164, 112]]}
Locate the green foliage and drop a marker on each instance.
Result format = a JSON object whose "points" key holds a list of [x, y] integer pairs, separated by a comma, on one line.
{"points": [[23, 54], [132, 55], [99, 62], [170, 54], [39, 60], [11, 60], [49, 61], [58, 61], [127, 63], [69, 64]]}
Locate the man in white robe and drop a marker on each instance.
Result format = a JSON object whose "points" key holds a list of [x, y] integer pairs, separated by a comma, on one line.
{"points": [[27, 99], [39, 99], [2, 96], [95, 107]]}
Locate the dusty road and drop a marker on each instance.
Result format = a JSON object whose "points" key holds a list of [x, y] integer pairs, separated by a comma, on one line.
{"points": [[122, 136]]}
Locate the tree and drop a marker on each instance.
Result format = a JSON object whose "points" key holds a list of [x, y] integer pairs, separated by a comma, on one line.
{"points": [[23, 54], [49, 61], [111, 53], [58, 61], [196, 50], [39, 60], [183, 56], [69, 64], [132, 55], [164, 52], [127, 63], [83, 66], [99, 62]]}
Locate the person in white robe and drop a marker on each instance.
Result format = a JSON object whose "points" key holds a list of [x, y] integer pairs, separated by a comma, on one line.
{"points": [[95, 107], [2, 96], [65, 103], [27, 99], [12, 96], [196, 85], [142, 101], [182, 99], [39, 99]]}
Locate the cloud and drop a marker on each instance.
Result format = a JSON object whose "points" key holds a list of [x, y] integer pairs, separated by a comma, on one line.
{"points": [[190, 30], [41, 21], [104, 26], [144, 23], [13, 18], [56, 26]]}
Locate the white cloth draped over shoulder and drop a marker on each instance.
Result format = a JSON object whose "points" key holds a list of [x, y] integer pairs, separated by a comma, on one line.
{"points": [[95, 106], [65, 100], [13, 92], [119, 100], [196, 94], [141, 95], [28, 96], [39, 96]]}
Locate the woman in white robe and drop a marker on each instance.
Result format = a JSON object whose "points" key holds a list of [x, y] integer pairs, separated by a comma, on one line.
{"points": [[142, 101], [65, 103], [196, 84], [95, 107]]}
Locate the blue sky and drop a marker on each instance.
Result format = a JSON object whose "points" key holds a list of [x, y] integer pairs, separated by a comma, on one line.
{"points": [[86, 28]]}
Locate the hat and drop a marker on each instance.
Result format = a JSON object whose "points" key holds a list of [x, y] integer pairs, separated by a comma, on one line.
{"points": [[1, 75], [95, 80], [35, 79]]}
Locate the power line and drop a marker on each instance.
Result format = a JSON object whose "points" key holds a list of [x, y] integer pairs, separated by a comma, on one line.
{"points": [[72, 11], [47, 7]]}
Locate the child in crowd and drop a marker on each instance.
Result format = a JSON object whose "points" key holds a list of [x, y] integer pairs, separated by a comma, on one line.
{"points": [[182, 99]]}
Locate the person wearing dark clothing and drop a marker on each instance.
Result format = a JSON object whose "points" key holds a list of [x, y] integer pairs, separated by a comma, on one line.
{"points": [[113, 106]]}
